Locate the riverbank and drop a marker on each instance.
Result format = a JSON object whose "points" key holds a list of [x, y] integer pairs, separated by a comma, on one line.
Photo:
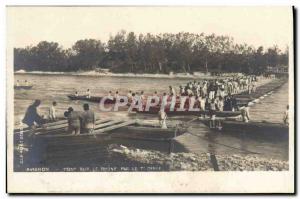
{"points": [[109, 74], [201, 162]]}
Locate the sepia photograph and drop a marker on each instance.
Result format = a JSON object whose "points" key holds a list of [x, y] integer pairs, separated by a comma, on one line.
{"points": [[174, 94]]}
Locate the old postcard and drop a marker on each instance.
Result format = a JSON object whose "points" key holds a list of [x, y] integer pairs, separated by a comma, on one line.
{"points": [[150, 99]]}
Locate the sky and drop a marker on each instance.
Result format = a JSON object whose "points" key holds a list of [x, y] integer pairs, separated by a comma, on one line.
{"points": [[255, 26]]}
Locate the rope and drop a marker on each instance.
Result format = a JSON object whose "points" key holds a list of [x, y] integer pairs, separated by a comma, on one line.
{"points": [[224, 144]]}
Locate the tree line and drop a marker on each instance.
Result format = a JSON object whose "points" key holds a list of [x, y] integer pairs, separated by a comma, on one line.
{"points": [[149, 53]]}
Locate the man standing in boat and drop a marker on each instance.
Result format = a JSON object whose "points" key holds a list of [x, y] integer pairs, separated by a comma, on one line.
{"points": [[88, 119], [172, 91], [116, 95], [52, 111], [181, 90], [31, 116], [286, 116], [73, 121], [129, 95], [245, 113], [88, 93], [110, 96], [212, 113], [162, 116]]}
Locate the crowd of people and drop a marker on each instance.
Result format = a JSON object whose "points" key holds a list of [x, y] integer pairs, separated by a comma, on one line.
{"points": [[18, 83], [217, 94], [207, 95]]}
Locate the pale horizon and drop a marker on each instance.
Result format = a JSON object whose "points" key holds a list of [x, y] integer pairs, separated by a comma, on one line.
{"points": [[255, 26]]}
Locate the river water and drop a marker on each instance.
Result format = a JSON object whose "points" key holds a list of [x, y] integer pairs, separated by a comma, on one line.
{"points": [[50, 88]]}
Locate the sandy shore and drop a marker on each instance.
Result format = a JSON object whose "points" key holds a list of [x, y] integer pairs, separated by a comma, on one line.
{"points": [[109, 74], [201, 162]]}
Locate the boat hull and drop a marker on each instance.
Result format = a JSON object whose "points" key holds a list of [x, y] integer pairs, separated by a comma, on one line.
{"points": [[250, 128], [136, 132], [91, 99], [155, 110], [146, 133], [23, 87]]}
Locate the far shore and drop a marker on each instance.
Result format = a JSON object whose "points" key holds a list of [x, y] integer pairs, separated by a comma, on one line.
{"points": [[109, 74]]}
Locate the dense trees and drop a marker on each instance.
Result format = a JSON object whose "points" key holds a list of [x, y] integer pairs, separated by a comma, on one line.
{"points": [[128, 52]]}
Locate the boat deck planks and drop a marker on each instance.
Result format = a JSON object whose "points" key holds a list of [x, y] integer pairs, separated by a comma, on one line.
{"points": [[115, 126], [106, 129]]}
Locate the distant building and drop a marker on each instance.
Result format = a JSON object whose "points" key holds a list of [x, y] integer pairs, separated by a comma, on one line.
{"points": [[102, 70], [201, 73], [278, 69]]}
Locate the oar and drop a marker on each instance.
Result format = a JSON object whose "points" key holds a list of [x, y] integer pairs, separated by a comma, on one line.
{"points": [[111, 122], [27, 129], [98, 131], [103, 130], [190, 121]]}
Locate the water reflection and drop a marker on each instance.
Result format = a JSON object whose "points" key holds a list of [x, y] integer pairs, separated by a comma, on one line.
{"points": [[95, 154]]}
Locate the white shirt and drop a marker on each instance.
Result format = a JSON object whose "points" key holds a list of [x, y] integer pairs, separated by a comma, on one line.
{"points": [[88, 93], [52, 112], [109, 96], [165, 100], [191, 100], [182, 91], [162, 115], [173, 91], [202, 103]]}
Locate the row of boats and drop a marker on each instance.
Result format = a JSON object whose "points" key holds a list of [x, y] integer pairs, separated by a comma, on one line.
{"points": [[54, 136], [155, 109], [242, 99], [53, 145], [55, 133]]}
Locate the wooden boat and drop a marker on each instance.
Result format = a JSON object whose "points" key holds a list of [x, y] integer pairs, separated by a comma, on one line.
{"points": [[23, 87], [262, 128], [262, 90], [155, 110], [260, 93], [92, 99], [57, 133], [55, 147]]}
